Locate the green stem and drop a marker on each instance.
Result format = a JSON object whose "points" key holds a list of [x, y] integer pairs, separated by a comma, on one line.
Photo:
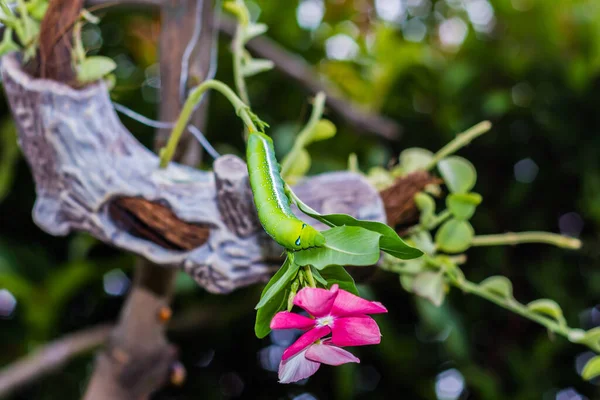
{"points": [[78, 50], [461, 140], [309, 276], [527, 237], [518, 308], [238, 54], [439, 219], [305, 134], [241, 109]]}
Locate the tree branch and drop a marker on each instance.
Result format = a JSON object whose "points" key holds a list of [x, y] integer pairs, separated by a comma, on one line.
{"points": [[138, 359], [296, 68], [51, 357]]}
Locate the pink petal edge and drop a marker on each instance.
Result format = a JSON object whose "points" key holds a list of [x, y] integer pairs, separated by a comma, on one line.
{"points": [[330, 355], [305, 340], [297, 368], [316, 301], [288, 320], [355, 331], [347, 304]]}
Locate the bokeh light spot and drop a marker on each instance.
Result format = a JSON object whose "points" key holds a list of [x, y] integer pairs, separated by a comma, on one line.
{"points": [[8, 303], [449, 384], [526, 170], [309, 14]]}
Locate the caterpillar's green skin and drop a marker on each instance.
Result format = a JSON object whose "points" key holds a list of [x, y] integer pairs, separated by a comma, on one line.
{"points": [[271, 202]]}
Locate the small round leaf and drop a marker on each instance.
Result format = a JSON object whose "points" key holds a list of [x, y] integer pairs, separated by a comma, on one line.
{"points": [[431, 286], [94, 68], [300, 165], [591, 369], [463, 205], [454, 236], [498, 285], [324, 129], [426, 205], [458, 173], [415, 159], [549, 308]]}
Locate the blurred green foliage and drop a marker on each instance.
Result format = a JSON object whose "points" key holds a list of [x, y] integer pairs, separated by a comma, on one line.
{"points": [[436, 66]]}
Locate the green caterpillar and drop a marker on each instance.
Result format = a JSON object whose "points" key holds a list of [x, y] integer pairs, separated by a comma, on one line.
{"points": [[272, 203]]}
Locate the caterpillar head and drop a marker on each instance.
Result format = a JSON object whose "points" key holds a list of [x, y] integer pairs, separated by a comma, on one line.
{"points": [[309, 237]]}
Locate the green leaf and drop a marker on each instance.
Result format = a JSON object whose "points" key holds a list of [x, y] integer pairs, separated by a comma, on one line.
{"points": [[591, 369], [407, 267], [318, 277], [94, 68], [299, 165], [239, 10], [37, 9], [256, 66], [415, 159], [8, 44], [426, 206], [549, 308], [344, 245], [458, 174], [68, 280], [9, 156], [389, 242], [590, 338], [423, 241], [265, 314], [278, 282], [454, 236], [431, 286], [338, 274], [254, 30], [406, 281], [498, 285], [463, 205], [324, 129], [276, 298]]}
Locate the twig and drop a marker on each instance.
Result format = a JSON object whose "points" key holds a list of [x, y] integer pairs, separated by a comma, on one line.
{"points": [[296, 68], [301, 140], [299, 70], [461, 140], [51, 357], [57, 353], [138, 359], [241, 109], [509, 303], [527, 237]]}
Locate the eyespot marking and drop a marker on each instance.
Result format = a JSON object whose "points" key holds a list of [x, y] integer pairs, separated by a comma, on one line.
{"points": [[297, 243]]}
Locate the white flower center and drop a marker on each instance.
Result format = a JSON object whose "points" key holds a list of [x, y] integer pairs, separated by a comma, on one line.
{"points": [[325, 321]]}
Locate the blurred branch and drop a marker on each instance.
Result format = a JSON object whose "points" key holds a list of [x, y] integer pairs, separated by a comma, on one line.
{"points": [[138, 359], [56, 354], [299, 70], [296, 68], [51, 357]]}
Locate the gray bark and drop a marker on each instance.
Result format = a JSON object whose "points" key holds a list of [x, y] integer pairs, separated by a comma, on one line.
{"points": [[82, 159]]}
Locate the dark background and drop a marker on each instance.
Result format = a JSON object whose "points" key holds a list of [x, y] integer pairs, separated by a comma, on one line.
{"points": [[532, 67]]}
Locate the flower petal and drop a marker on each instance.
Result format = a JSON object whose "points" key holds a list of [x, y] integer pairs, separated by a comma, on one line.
{"points": [[347, 304], [288, 320], [317, 302], [305, 340], [331, 355], [355, 331], [297, 368]]}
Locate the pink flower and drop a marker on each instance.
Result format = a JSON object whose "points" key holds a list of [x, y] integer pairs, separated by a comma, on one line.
{"points": [[336, 312], [307, 361]]}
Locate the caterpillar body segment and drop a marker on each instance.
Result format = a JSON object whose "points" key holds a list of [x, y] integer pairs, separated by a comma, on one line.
{"points": [[272, 203]]}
